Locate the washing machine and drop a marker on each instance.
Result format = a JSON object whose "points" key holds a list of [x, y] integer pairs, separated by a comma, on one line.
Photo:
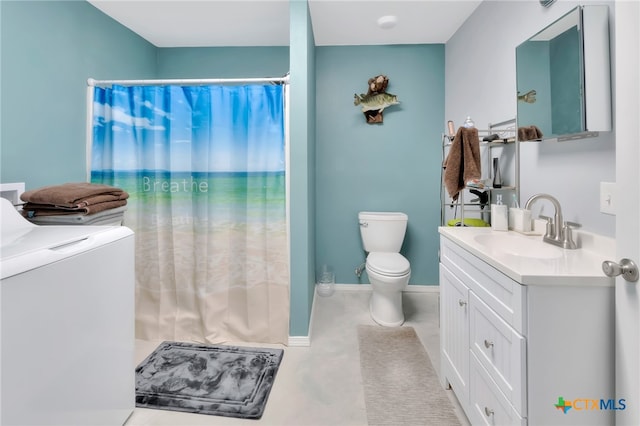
{"points": [[66, 323]]}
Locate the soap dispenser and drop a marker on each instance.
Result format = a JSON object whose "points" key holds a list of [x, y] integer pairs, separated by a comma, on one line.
{"points": [[468, 123], [499, 215]]}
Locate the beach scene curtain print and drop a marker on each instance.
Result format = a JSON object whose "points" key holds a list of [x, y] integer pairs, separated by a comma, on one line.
{"points": [[205, 170]]}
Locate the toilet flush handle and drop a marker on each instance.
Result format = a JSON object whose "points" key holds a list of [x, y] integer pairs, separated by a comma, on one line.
{"points": [[364, 224]]}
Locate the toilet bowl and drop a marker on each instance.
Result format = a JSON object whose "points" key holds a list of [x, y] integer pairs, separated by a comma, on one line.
{"points": [[382, 235], [389, 275]]}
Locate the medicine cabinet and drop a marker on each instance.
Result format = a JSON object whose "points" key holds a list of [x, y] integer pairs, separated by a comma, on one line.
{"points": [[564, 78]]}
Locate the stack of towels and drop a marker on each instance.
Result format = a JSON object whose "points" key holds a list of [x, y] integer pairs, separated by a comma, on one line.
{"points": [[72, 199]]}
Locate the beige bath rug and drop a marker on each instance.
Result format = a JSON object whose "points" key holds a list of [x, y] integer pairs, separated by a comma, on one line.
{"points": [[401, 386]]}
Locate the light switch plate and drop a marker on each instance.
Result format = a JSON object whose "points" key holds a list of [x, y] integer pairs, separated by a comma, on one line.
{"points": [[608, 197]]}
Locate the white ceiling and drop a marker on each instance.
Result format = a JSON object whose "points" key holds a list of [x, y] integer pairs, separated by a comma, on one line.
{"points": [[210, 23]]}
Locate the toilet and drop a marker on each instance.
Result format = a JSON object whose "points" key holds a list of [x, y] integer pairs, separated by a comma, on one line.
{"points": [[382, 236]]}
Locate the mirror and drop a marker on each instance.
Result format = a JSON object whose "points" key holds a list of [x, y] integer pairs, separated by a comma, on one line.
{"points": [[563, 78]]}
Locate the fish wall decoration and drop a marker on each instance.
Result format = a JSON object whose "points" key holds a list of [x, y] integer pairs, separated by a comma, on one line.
{"points": [[376, 99], [529, 97]]}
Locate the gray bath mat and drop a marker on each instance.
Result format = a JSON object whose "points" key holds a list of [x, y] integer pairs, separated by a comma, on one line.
{"points": [[231, 381], [401, 386]]}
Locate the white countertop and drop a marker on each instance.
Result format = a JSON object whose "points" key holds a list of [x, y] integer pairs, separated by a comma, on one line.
{"points": [[582, 266]]}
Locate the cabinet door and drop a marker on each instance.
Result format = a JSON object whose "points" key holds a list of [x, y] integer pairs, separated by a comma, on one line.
{"points": [[454, 333]]}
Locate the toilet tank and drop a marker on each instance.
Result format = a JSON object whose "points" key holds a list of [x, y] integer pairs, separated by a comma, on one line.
{"points": [[382, 231]]}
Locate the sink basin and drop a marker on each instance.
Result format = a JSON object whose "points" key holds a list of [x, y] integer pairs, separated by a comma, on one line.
{"points": [[519, 245]]}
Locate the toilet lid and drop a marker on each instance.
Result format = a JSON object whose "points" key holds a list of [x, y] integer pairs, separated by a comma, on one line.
{"points": [[391, 264]]}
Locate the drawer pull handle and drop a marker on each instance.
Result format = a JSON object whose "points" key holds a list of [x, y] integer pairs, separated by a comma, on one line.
{"points": [[462, 302], [488, 344], [488, 411]]}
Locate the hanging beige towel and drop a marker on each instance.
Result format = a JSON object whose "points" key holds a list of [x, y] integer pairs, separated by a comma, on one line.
{"points": [[463, 161]]}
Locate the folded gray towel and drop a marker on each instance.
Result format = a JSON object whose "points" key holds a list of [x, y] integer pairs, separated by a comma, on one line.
{"points": [[33, 210]]}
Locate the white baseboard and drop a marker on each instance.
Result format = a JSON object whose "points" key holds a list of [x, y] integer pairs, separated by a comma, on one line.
{"points": [[299, 341], [414, 288], [304, 341]]}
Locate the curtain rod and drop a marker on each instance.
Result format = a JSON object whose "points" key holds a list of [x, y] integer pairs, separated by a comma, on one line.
{"points": [[186, 82]]}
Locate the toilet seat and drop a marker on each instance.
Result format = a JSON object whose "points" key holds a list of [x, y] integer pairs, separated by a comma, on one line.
{"points": [[388, 264]]}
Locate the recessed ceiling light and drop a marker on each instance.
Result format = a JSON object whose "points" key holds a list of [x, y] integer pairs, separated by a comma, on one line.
{"points": [[387, 21]]}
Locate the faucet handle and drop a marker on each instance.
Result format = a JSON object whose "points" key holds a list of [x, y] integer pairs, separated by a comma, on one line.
{"points": [[568, 242], [549, 233], [547, 218]]}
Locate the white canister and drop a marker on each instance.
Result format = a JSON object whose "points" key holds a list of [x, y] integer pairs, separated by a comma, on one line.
{"points": [[499, 217], [520, 220]]}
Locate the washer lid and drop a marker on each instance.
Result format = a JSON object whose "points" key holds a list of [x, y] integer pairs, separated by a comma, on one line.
{"points": [[392, 264]]}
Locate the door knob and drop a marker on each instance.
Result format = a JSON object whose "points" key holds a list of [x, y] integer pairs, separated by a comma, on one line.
{"points": [[627, 268]]}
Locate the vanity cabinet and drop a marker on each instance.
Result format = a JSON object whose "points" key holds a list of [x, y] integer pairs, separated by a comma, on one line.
{"points": [[509, 351]]}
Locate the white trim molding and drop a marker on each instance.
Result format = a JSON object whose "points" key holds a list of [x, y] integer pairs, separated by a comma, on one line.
{"points": [[299, 341], [413, 288]]}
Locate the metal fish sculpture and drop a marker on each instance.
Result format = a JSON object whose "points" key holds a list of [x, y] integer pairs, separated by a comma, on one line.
{"points": [[529, 97], [377, 102]]}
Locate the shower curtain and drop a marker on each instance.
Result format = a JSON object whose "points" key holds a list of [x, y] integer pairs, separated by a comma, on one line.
{"points": [[205, 170]]}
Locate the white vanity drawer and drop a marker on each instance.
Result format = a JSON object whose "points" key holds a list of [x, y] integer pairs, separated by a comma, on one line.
{"points": [[500, 350], [505, 296], [488, 405]]}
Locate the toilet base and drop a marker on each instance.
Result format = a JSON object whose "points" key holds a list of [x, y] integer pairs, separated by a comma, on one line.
{"points": [[386, 310]]}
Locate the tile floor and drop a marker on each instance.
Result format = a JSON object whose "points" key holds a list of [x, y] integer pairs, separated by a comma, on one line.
{"points": [[321, 384]]}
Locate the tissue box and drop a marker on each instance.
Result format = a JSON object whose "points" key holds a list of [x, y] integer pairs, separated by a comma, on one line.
{"points": [[520, 220]]}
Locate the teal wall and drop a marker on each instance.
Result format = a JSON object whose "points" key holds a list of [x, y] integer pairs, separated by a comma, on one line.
{"points": [[49, 49], [223, 62], [302, 167], [393, 166], [339, 164]]}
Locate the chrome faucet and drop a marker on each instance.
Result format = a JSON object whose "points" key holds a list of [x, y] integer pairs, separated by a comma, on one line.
{"points": [[558, 232]]}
